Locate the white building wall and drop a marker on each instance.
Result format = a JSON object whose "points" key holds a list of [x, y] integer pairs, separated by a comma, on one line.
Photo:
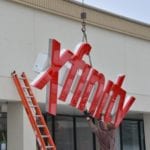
{"points": [[25, 32], [20, 135]]}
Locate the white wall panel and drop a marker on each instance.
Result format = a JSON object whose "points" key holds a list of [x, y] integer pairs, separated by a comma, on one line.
{"points": [[137, 64], [16, 38], [108, 51], [19, 133], [24, 32]]}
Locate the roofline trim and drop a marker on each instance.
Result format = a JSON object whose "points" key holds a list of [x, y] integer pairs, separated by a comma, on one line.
{"points": [[96, 17]]}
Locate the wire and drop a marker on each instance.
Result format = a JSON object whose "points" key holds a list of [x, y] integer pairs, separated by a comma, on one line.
{"points": [[83, 29], [83, 17]]}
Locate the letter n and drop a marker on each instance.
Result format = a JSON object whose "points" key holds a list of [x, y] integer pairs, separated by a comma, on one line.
{"points": [[94, 78]]}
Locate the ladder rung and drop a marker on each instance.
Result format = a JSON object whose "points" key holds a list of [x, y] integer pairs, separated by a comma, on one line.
{"points": [[33, 112], [22, 78], [37, 116], [25, 87], [44, 136], [29, 96], [33, 106], [30, 102], [41, 126], [49, 146]]}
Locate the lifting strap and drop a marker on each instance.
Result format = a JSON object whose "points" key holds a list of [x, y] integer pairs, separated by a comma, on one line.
{"points": [[43, 137]]}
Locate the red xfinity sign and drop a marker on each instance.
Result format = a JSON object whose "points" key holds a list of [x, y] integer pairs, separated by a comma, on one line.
{"points": [[106, 97]]}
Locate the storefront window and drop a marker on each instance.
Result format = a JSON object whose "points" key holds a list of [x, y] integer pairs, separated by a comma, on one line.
{"points": [[3, 131], [83, 135], [49, 121], [131, 135], [73, 133], [142, 137], [64, 133]]}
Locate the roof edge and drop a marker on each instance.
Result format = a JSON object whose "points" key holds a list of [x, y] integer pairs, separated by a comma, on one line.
{"points": [[111, 13], [100, 18]]}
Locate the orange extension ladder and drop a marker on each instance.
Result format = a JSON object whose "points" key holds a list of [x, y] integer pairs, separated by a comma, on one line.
{"points": [[43, 137]]}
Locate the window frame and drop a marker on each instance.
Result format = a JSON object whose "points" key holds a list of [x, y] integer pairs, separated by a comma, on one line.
{"points": [[139, 121], [94, 137]]}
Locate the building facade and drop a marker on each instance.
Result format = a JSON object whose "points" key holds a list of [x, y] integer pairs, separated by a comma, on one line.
{"points": [[119, 45]]}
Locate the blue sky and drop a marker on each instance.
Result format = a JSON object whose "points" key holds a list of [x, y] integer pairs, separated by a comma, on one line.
{"points": [[135, 9]]}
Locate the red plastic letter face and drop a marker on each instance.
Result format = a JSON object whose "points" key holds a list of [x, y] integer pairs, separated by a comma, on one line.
{"points": [[104, 99], [123, 109], [51, 75], [114, 98], [77, 63], [118, 94], [80, 86], [98, 78]]}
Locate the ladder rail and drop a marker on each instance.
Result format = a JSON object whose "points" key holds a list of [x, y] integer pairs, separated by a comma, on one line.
{"points": [[27, 107], [46, 130], [22, 95]]}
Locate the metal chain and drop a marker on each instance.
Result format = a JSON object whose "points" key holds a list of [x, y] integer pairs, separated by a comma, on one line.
{"points": [[83, 29]]}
